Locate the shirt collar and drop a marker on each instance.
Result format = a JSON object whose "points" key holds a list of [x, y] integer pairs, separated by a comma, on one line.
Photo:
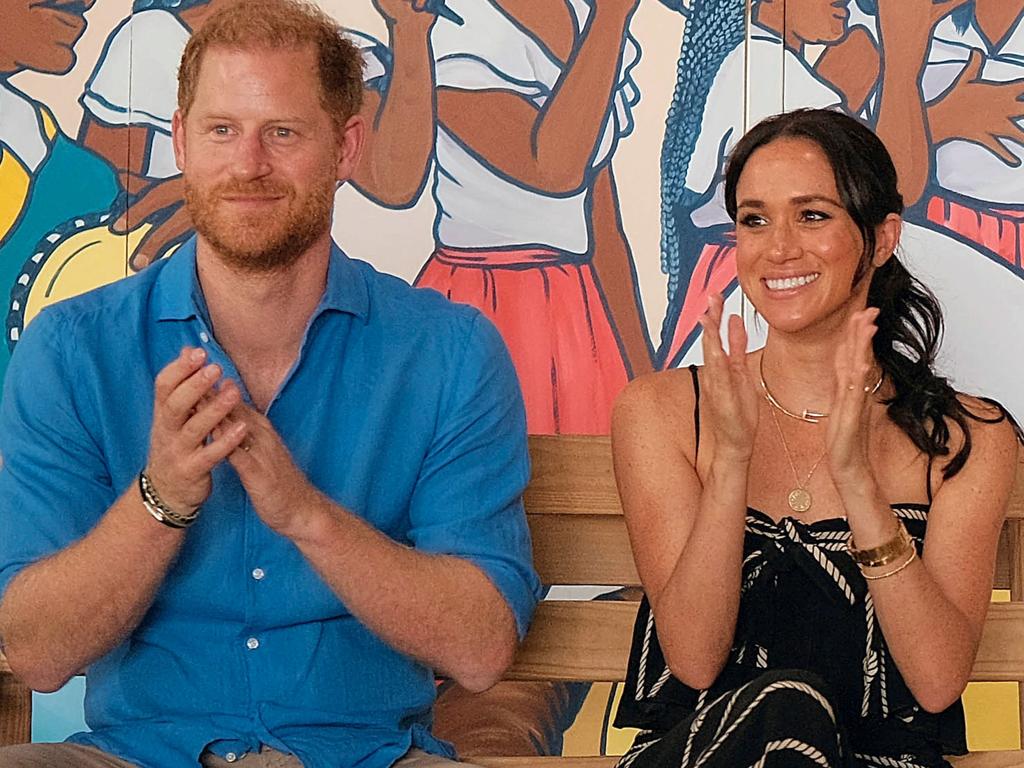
{"points": [[178, 295]]}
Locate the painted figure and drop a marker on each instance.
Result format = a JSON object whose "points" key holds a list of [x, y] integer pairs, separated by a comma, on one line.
{"points": [[707, 117], [532, 100], [45, 178]]}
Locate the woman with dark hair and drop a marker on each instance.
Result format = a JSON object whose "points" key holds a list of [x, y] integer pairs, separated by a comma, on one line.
{"points": [[779, 503]]}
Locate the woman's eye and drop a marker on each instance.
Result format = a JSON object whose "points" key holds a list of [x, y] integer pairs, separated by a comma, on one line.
{"points": [[751, 220], [815, 216]]}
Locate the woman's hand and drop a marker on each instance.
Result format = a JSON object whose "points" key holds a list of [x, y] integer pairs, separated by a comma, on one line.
{"points": [[731, 395], [846, 438]]}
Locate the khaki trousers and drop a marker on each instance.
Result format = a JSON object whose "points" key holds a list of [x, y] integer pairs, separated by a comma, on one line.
{"points": [[77, 756]]}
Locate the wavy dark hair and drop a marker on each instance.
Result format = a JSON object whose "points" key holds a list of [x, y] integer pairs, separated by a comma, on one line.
{"points": [[910, 318]]}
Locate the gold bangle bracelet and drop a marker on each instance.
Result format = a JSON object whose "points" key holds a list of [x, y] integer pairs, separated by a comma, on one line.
{"points": [[883, 554], [897, 569]]}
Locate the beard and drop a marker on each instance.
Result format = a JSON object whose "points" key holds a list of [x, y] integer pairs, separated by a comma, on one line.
{"points": [[252, 241]]}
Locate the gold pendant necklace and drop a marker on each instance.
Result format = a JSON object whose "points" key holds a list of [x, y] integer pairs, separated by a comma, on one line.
{"points": [[799, 498]]}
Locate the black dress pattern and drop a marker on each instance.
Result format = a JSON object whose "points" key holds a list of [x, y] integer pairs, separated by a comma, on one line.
{"points": [[809, 680]]}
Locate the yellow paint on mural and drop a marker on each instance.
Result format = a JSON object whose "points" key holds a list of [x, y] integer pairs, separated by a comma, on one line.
{"points": [[79, 262], [14, 183]]}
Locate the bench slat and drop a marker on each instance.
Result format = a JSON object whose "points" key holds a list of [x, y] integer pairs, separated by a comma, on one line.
{"points": [[1001, 655], [555, 762], [582, 549], [594, 549], [1002, 759], [572, 475], [15, 710], [590, 641]]}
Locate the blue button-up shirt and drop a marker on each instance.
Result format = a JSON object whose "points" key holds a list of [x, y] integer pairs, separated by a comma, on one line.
{"points": [[402, 407]]}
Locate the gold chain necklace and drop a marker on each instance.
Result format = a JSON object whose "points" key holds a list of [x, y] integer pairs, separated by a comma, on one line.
{"points": [[810, 417], [799, 498]]}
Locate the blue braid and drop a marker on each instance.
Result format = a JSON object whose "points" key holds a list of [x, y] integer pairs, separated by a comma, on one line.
{"points": [[714, 28]]}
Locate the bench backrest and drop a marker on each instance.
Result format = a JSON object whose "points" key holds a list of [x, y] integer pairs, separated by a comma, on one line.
{"points": [[579, 537]]}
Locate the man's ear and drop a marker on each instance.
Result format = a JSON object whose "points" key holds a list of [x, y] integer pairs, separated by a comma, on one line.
{"points": [[887, 237], [178, 139], [351, 138]]}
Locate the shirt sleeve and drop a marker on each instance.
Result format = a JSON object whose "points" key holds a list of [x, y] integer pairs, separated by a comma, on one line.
{"points": [[468, 500], [146, 49], [54, 485], [377, 59]]}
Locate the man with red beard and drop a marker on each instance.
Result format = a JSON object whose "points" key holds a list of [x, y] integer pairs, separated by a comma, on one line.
{"points": [[286, 491]]}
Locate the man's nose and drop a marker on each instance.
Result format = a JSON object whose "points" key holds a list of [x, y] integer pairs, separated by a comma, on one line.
{"points": [[251, 160]]}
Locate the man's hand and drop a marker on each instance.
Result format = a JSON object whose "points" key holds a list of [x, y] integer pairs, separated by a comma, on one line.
{"points": [[187, 408], [280, 492]]}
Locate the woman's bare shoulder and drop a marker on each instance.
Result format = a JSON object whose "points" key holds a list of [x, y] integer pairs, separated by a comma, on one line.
{"points": [[661, 396]]}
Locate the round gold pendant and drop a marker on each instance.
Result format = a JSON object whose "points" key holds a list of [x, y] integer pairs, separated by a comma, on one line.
{"points": [[799, 500]]}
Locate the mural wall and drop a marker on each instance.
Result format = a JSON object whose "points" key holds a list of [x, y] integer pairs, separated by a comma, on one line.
{"points": [[575, 190]]}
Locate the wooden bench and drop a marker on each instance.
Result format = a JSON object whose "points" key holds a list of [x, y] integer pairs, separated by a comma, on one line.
{"points": [[579, 537]]}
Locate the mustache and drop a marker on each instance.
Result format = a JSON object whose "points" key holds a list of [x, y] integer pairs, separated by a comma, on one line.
{"points": [[258, 188]]}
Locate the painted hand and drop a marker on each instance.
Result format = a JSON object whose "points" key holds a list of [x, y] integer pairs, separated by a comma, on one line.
{"points": [[912, 20], [980, 111], [161, 206], [731, 395], [409, 12], [846, 437]]}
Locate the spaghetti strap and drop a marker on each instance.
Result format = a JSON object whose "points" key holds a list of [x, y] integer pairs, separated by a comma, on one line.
{"points": [[928, 479], [696, 411]]}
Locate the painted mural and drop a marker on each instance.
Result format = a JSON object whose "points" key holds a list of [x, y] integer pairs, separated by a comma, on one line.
{"points": [[557, 164]]}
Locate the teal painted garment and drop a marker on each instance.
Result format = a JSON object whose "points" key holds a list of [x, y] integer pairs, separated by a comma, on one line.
{"points": [[71, 182]]}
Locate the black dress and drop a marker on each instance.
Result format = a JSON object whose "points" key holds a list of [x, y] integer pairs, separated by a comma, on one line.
{"points": [[809, 680]]}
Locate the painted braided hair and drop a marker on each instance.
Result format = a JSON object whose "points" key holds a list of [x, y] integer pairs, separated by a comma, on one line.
{"points": [[714, 28], [910, 319]]}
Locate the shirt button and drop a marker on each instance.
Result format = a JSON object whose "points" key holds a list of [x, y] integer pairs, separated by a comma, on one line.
{"points": [[252, 643], [258, 574], [204, 337], [231, 757]]}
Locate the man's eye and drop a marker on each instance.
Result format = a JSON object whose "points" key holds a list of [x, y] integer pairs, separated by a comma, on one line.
{"points": [[221, 130], [283, 133]]}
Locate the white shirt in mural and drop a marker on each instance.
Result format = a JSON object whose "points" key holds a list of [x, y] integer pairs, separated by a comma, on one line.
{"points": [[723, 121], [149, 45], [22, 133], [479, 206]]}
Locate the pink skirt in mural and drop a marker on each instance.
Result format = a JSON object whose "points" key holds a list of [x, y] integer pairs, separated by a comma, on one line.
{"points": [[715, 273], [1000, 231], [551, 313]]}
